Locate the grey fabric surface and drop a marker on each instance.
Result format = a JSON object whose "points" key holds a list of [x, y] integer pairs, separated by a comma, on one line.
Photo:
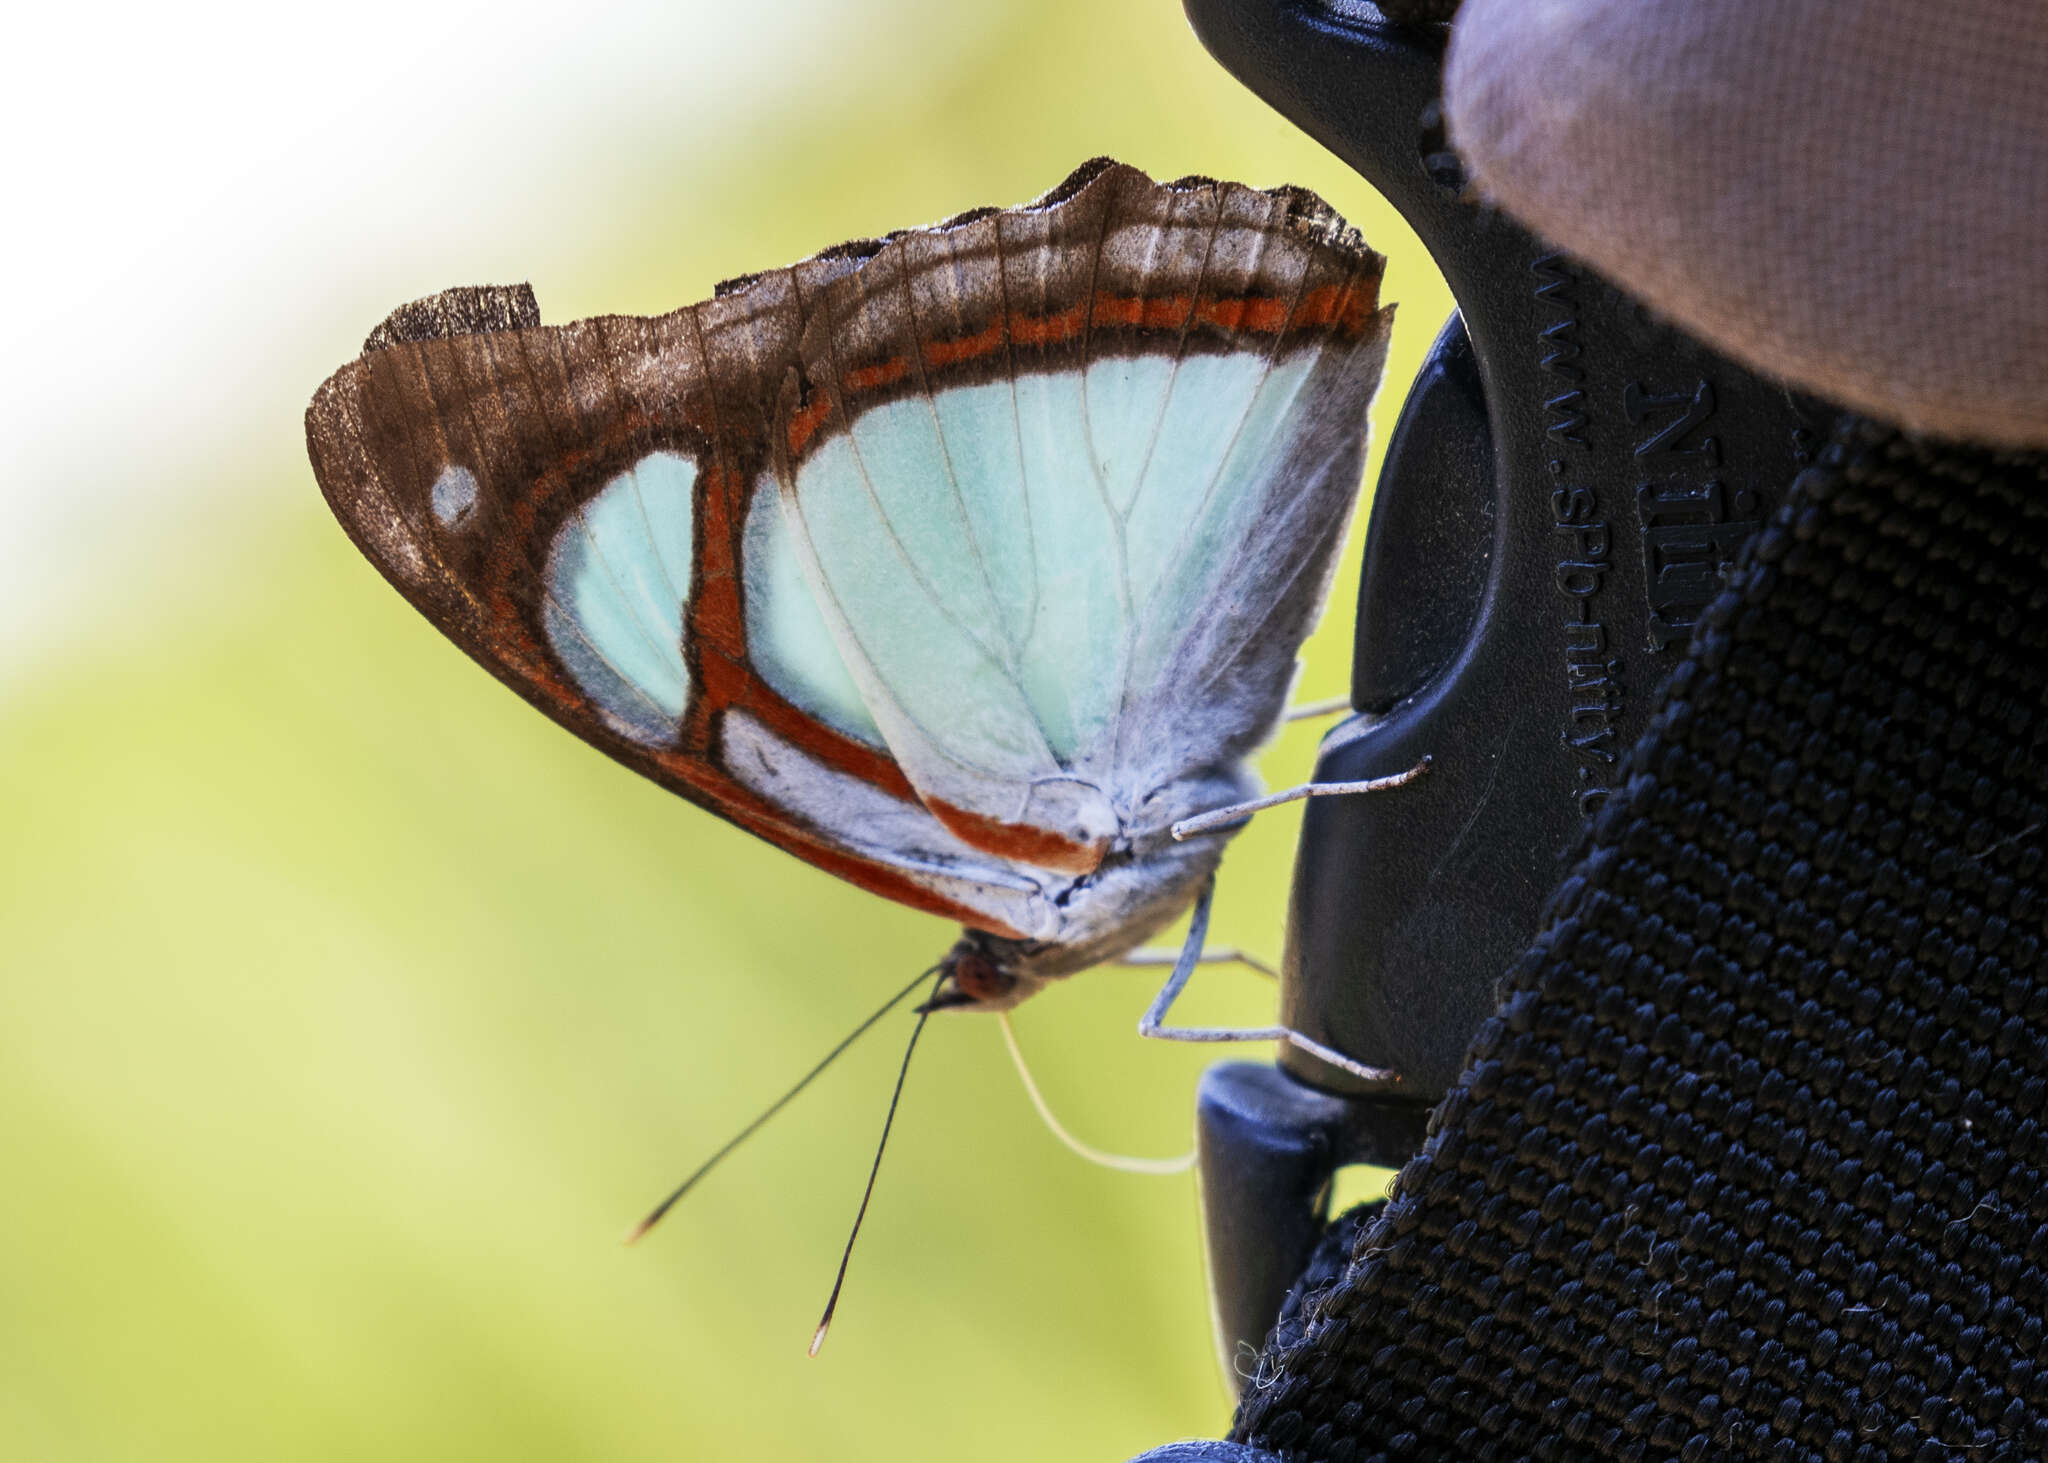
{"points": [[1848, 194]]}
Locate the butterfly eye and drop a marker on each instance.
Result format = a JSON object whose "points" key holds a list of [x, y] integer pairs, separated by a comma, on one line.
{"points": [[979, 978]]}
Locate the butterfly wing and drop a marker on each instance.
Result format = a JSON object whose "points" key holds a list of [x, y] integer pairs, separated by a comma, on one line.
{"points": [[574, 507], [931, 560], [1069, 480]]}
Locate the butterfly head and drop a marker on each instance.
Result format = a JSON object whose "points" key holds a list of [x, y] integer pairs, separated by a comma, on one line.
{"points": [[985, 972]]}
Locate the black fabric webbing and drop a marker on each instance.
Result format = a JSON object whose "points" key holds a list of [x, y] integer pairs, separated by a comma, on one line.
{"points": [[1752, 1164], [1325, 1268]]}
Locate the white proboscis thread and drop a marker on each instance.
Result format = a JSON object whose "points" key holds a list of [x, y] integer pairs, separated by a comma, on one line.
{"points": [[1122, 1163]]}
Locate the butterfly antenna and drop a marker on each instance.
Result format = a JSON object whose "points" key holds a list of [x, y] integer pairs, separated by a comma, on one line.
{"points": [[924, 1014], [772, 1109], [1122, 1163], [1238, 812]]}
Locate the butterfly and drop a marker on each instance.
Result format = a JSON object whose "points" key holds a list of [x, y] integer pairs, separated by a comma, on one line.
{"points": [[961, 563]]}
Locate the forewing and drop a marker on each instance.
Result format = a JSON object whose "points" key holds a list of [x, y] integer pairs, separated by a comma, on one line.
{"points": [[571, 506]]}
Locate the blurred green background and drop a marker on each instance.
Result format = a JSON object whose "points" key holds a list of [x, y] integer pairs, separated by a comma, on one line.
{"points": [[352, 1011]]}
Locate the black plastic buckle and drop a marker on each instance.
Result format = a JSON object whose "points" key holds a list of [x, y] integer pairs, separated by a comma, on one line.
{"points": [[1567, 482]]}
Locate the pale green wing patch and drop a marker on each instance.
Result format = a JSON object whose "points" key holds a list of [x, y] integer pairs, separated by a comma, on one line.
{"points": [[1012, 570], [618, 577], [1207, 496], [788, 642], [889, 550]]}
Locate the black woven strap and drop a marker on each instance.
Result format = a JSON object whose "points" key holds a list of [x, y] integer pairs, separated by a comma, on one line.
{"points": [[1753, 1162]]}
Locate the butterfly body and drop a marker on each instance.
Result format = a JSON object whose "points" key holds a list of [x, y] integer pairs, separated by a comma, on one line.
{"points": [[961, 564]]}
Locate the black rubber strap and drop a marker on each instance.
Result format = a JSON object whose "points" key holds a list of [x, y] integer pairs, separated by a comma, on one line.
{"points": [[1753, 1161]]}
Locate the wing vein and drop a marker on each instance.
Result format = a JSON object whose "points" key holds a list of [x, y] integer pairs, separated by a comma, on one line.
{"points": [[1251, 400], [495, 383], [1193, 519], [1297, 563], [1179, 354], [916, 352], [1126, 604], [1017, 429], [676, 592], [917, 575]]}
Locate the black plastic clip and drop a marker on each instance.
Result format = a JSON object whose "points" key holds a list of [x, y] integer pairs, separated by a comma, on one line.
{"points": [[1568, 481]]}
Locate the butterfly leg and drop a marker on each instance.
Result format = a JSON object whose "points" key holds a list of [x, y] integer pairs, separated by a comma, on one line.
{"points": [[1153, 1022], [1238, 812], [1310, 710], [1227, 955]]}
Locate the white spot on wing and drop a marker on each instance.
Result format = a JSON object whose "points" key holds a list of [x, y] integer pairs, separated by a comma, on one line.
{"points": [[454, 495]]}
